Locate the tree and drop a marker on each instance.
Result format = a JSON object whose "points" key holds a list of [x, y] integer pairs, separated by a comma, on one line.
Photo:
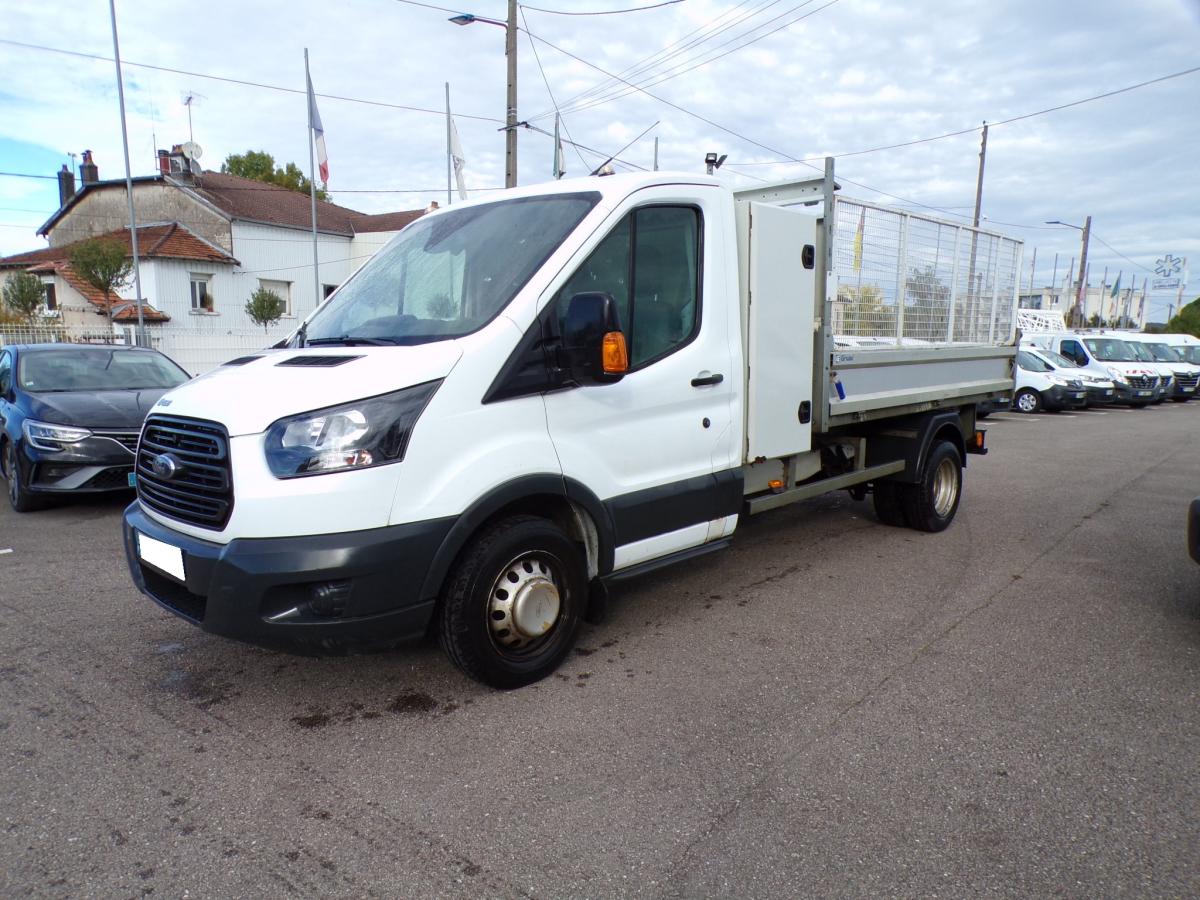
{"points": [[1187, 321], [265, 307], [102, 263], [865, 313], [260, 166], [927, 312], [24, 295]]}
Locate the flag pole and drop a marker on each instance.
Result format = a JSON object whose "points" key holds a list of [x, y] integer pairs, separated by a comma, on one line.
{"points": [[449, 198], [312, 182]]}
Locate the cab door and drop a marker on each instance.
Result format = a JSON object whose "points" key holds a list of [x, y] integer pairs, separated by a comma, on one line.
{"points": [[657, 447]]}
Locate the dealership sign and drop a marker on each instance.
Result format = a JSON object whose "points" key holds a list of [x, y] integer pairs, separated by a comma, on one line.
{"points": [[1170, 273]]}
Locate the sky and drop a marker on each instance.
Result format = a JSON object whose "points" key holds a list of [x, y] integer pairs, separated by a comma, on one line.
{"points": [[763, 82]]}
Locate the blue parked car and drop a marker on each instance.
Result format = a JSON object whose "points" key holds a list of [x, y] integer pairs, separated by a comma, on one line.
{"points": [[70, 416]]}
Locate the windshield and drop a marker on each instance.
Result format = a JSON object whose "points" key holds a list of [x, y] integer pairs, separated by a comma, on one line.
{"points": [[97, 369], [1031, 363], [1164, 353], [1058, 359], [1111, 350], [449, 274], [1190, 353], [1140, 351]]}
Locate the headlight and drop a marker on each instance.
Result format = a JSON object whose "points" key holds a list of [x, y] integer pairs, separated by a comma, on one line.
{"points": [[45, 436], [1116, 374], [1057, 379], [371, 432]]}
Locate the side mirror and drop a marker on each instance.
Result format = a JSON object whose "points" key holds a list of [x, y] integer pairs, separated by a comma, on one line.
{"points": [[592, 340]]}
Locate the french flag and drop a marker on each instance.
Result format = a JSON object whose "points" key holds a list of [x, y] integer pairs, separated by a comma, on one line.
{"points": [[318, 133]]}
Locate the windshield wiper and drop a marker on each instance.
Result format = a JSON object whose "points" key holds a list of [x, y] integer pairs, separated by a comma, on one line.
{"points": [[352, 341]]}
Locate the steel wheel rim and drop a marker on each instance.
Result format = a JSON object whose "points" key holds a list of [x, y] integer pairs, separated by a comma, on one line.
{"points": [[945, 487], [525, 604], [1027, 403]]}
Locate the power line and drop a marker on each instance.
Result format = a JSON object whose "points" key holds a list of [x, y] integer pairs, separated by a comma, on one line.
{"points": [[538, 59], [1097, 237], [707, 31], [244, 82], [684, 67], [603, 12], [962, 131], [26, 175]]}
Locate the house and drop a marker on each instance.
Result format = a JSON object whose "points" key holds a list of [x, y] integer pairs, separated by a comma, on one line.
{"points": [[209, 241]]}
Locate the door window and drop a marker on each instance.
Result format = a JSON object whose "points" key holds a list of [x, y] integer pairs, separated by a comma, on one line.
{"points": [[5, 373], [650, 264]]}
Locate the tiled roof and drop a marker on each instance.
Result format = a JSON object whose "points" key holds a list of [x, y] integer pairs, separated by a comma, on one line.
{"points": [[164, 241], [244, 198], [123, 310]]}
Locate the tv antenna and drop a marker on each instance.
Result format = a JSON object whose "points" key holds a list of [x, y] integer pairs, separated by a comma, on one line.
{"points": [[190, 98]]}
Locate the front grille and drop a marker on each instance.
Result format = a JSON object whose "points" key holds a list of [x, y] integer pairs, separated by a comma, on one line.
{"points": [[200, 492], [1143, 382], [1187, 379], [174, 595], [127, 439], [109, 479]]}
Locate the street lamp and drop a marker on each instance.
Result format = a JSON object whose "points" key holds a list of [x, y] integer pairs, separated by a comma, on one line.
{"points": [[1087, 230], [510, 51]]}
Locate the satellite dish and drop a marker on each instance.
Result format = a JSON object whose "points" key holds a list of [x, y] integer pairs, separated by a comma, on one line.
{"points": [[192, 150]]}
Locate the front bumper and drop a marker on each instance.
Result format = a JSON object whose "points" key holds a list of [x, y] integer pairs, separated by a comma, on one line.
{"points": [[313, 594], [1134, 395], [1101, 396], [94, 465], [1184, 389], [1059, 397]]}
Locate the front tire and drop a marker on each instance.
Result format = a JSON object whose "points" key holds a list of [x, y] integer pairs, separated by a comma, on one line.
{"points": [[19, 495], [1027, 401], [512, 604], [931, 503]]}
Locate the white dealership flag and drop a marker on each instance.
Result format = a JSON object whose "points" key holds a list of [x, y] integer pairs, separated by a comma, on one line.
{"points": [[560, 162], [318, 133], [459, 161]]}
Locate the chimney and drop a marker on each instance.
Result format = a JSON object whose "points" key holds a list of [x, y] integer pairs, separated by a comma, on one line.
{"points": [[164, 162], [433, 204], [88, 173], [66, 185]]}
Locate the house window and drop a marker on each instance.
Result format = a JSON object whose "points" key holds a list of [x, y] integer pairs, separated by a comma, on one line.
{"points": [[202, 298], [51, 297], [281, 289]]}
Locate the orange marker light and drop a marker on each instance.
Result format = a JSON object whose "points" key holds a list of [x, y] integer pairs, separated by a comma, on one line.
{"points": [[614, 355]]}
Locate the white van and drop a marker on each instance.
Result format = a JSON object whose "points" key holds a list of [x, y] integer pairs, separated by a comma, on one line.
{"points": [[1040, 384], [1185, 375], [1135, 383], [521, 401]]}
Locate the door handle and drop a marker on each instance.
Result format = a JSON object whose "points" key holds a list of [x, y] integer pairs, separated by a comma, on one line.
{"points": [[702, 380]]}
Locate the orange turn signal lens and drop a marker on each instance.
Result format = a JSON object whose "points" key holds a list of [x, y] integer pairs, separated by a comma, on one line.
{"points": [[979, 438], [614, 355], [776, 485]]}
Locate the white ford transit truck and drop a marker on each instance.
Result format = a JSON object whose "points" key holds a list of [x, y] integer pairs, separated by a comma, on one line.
{"points": [[522, 400]]}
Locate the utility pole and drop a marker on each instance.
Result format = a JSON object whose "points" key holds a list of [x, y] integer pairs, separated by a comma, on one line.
{"points": [[1032, 266], [510, 121], [972, 288], [1087, 230], [133, 236], [979, 181]]}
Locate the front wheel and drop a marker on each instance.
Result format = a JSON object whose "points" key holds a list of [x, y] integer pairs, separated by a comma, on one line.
{"points": [[1027, 401], [930, 504], [513, 602], [19, 495]]}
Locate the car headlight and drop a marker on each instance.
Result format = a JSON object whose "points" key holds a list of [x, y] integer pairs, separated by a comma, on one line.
{"points": [[46, 436], [1116, 375], [1057, 379], [371, 432]]}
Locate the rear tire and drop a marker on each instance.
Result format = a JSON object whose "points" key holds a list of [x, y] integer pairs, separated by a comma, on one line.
{"points": [[931, 503], [1027, 401], [886, 496], [512, 603]]}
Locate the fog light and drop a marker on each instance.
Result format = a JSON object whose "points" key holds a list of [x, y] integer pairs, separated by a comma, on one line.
{"points": [[330, 598]]}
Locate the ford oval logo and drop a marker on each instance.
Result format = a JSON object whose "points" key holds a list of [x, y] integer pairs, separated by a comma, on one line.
{"points": [[166, 466]]}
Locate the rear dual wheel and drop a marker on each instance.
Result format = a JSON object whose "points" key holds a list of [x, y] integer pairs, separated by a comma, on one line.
{"points": [[931, 503]]}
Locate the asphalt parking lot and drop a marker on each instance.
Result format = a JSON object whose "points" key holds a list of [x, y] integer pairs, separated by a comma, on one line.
{"points": [[830, 707]]}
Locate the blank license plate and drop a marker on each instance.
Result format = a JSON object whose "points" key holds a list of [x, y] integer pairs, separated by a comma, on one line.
{"points": [[162, 556]]}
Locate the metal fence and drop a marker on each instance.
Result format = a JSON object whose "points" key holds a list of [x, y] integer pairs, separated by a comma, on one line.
{"points": [[905, 278], [196, 350]]}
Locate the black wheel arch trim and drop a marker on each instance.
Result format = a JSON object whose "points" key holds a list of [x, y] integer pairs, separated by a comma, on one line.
{"points": [[911, 438], [525, 487]]}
